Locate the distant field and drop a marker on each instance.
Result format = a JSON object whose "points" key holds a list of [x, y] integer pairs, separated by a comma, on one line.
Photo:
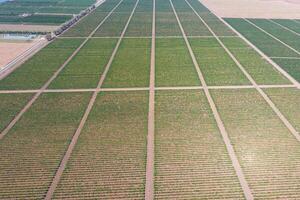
{"points": [[10, 11], [165, 102], [277, 38], [35, 19]]}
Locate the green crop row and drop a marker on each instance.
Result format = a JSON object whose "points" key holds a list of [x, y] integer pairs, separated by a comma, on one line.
{"points": [[31, 153], [35, 72], [216, 65], [287, 100], [288, 23], [140, 24], [131, 65], [166, 24], [260, 70], [282, 34], [292, 66], [10, 105], [86, 67], [109, 160], [267, 44], [267, 151], [174, 66], [191, 161], [35, 19]]}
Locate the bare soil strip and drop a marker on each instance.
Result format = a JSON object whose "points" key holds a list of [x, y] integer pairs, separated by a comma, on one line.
{"points": [[45, 86], [262, 93], [27, 28], [143, 89], [275, 65], [284, 27], [149, 186], [272, 36], [229, 147], [69, 151]]}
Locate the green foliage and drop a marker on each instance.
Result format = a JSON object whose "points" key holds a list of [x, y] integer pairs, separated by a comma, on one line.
{"points": [[131, 66], [260, 70], [31, 153], [110, 157], [174, 66], [85, 69], [216, 65]]}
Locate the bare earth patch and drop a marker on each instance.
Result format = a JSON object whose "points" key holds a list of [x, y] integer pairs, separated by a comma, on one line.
{"points": [[10, 50], [281, 9], [23, 27]]}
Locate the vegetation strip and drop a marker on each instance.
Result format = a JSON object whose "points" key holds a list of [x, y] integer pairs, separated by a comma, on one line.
{"points": [[68, 153], [275, 65], [35, 97], [149, 186], [263, 94], [272, 36], [286, 28], [229, 147]]}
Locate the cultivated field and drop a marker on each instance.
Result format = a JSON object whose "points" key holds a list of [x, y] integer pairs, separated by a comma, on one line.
{"points": [[151, 100], [40, 12], [277, 38]]}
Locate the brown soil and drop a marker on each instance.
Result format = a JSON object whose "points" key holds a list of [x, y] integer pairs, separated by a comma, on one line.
{"points": [[283, 9], [10, 50]]}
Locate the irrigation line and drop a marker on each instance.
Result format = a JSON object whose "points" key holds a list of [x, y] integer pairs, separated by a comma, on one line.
{"points": [[75, 137], [261, 92], [229, 147], [45, 86]]}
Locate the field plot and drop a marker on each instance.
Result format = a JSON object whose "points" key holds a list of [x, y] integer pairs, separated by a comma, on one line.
{"points": [[86, 68], [174, 66], [270, 165], [217, 67], [262, 71], [41, 12], [287, 101], [32, 151], [109, 160], [10, 104], [85, 26], [191, 159], [131, 65], [278, 39], [154, 99]]}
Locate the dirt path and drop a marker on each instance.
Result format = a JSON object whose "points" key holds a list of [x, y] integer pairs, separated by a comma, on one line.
{"points": [[276, 9], [74, 140], [149, 186], [229, 147], [143, 89], [45, 86], [262, 93]]}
